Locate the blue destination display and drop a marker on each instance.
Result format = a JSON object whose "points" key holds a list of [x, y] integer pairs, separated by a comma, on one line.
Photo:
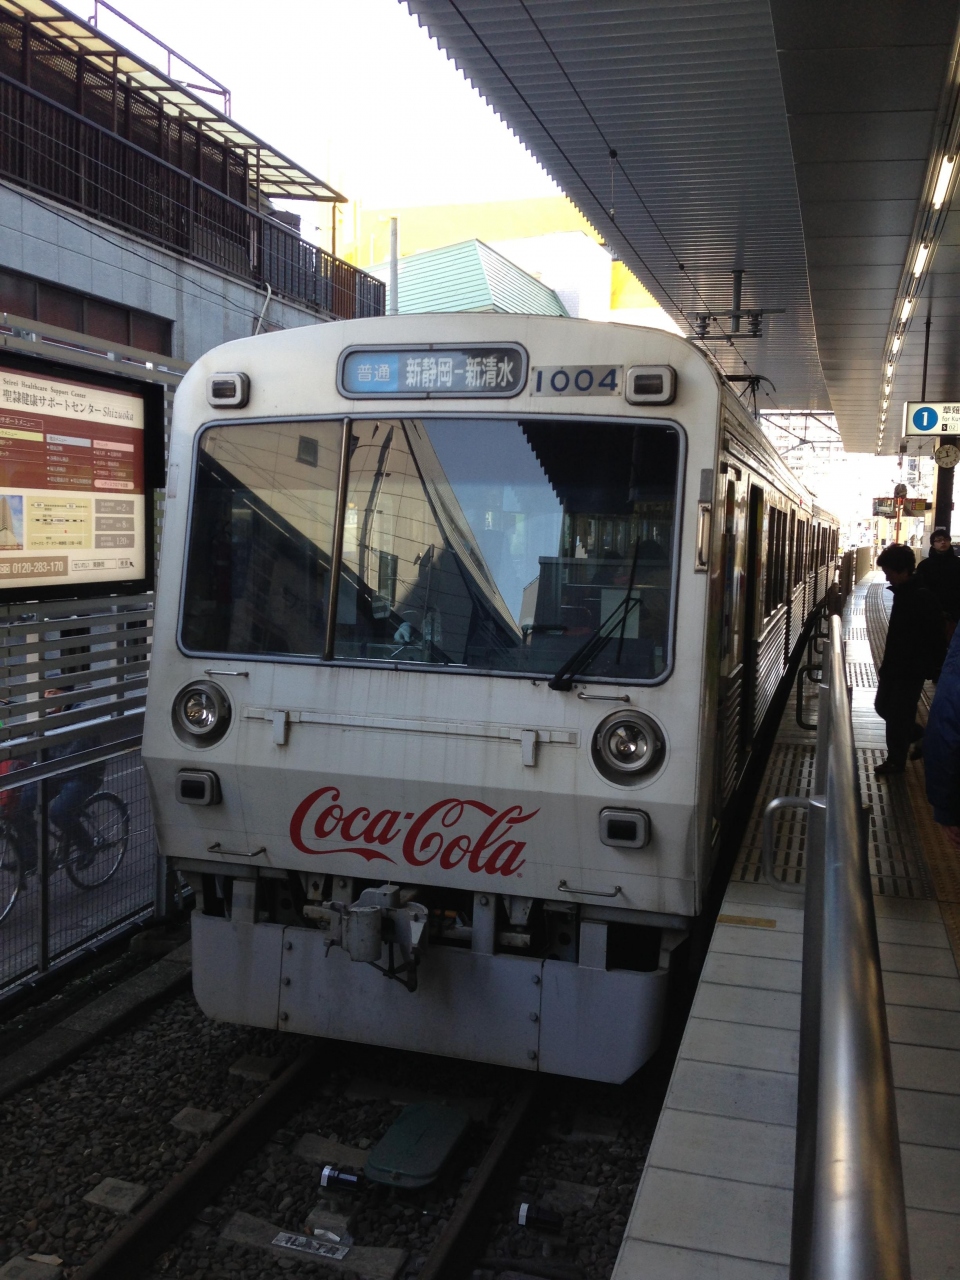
{"points": [[426, 372]]}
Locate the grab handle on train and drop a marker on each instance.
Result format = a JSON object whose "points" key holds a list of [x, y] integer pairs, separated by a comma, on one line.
{"points": [[768, 852], [703, 537], [235, 853], [615, 892]]}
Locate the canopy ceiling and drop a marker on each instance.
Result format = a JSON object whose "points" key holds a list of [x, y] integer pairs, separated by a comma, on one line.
{"points": [[797, 143]]}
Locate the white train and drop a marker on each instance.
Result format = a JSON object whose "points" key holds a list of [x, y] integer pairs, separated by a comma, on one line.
{"points": [[465, 627]]}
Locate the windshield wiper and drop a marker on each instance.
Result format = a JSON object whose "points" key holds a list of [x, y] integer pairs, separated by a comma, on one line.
{"points": [[594, 644]]}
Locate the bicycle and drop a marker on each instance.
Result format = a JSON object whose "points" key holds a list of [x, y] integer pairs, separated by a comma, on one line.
{"points": [[90, 849]]}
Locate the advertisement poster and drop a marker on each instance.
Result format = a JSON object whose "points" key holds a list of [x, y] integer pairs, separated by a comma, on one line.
{"points": [[72, 504]]}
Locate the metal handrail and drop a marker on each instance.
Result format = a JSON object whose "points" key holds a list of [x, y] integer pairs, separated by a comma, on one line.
{"points": [[49, 148], [849, 1219]]}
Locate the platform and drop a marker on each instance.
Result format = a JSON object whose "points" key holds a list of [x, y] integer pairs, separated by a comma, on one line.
{"points": [[715, 1199]]}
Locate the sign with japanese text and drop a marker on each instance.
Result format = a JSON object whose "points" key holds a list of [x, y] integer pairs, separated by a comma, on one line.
{"points": [[433, 371], [908, 507], [72, 501], [931, 419]]}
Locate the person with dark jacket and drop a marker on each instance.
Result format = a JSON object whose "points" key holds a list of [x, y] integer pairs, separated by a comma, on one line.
{"points": [[940, 574], [913, 653], [942, 746]]}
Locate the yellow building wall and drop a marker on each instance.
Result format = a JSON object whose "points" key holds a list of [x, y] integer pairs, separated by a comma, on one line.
{"points": [[367, 241]]}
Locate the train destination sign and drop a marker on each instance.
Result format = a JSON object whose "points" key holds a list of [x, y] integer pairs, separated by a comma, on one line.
{"points": [[72, 500], [433, 370], [925, 418]]}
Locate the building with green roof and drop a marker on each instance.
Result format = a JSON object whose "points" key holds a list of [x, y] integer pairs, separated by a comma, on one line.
{"points": [[469, 277]]}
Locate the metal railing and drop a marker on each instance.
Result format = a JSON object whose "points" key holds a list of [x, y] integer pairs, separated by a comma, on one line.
{"points": [[849, 1219], [73, 678], [57, 899], [58, 153]]}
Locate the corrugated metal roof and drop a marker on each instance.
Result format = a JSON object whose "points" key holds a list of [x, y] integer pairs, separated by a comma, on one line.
{"points": [[471, 277], [869, 119], [688, 94], [747, 140]]}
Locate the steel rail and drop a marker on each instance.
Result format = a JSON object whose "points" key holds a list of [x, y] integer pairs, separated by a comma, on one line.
{"points": [[849, 1219], [147, 1234], [453, 1255]]}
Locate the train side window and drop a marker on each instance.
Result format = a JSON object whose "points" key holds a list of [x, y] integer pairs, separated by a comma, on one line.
{"points": [[776, 577], [800, 554], [261, 537]]}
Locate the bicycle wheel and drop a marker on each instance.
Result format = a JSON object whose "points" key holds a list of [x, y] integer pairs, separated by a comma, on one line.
{"points": [[97, 840], [11, 876]]}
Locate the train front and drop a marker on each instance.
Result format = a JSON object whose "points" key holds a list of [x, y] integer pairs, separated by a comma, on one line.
{"points": [[427, 704]]}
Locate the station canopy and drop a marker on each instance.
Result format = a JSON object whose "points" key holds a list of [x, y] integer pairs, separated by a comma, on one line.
{"points": [[799, 143], [278, 176]]}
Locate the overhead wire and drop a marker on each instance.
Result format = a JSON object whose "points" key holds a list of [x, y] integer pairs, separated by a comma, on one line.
{"points": [[615, 160], [573, 166], [589, 186]]}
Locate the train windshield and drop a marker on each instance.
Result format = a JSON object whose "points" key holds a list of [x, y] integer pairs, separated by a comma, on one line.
{"points": [[487, 545]]}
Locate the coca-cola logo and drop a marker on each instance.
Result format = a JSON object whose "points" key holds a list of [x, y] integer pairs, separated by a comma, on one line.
{"points": [[450, 833]]}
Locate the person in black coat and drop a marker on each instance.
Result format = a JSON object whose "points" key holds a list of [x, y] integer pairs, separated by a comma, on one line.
{"points": [[942, 747], [940, 574], [913, 653]]}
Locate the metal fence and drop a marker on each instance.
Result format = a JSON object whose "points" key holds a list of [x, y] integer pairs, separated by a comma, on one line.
{"points": [[849, 1219], [73, 678], [55, 896], [54, 151]]}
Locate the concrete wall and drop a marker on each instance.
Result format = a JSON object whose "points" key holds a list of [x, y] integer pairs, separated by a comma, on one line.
{"points": [[68, 248]]}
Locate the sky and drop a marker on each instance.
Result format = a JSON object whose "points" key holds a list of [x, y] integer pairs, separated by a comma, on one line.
{"points": [[356, 92], [353, 90]]}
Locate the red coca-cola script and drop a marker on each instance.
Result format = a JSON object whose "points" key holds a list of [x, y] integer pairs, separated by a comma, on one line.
{"points": [[449, 833]]}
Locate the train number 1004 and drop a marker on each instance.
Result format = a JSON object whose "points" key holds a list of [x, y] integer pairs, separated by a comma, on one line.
{"points": [[588, 380]]}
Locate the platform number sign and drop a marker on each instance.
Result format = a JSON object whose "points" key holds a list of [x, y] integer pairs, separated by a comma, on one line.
{"points": [[573, 380], [925, 419]]}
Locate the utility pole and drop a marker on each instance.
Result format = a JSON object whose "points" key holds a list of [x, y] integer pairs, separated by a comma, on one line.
{"points": [[394, 307], [943, 498]]}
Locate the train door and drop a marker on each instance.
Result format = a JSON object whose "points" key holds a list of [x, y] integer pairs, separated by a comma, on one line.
{"points": [[788, 587], [752, 603]]}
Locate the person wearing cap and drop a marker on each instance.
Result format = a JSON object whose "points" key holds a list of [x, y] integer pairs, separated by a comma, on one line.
{"points": [[942, 746], [912, 654], [940, 574]]}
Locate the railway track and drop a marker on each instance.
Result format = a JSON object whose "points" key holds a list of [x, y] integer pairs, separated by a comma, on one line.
{"points": [[216, 1199]]}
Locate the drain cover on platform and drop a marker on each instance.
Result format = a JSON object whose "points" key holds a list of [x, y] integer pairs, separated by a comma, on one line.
{"points": [[417, 1145]]}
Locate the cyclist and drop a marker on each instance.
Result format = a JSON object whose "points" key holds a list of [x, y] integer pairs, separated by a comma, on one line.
{"points": [[66, 795]]}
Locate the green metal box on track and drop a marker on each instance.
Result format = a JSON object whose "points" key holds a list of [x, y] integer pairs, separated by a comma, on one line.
{"points": [[417, 1145]]}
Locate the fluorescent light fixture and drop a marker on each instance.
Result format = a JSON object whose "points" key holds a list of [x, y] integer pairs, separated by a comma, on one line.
{"points": [[889, 370], [885, 403], [943, 180], [905, 309], [896, 342], [922, 254]]}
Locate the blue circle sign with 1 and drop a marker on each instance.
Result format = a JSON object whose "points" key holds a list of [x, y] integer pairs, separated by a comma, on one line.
{"points": [[925, 418]]}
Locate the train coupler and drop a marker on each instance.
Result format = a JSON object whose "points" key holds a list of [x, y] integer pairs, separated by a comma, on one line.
{"points": [[378, 917]]}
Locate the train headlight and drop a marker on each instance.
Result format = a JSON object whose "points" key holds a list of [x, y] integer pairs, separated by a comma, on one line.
{"points": [[626, 746], [201, 713]]}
